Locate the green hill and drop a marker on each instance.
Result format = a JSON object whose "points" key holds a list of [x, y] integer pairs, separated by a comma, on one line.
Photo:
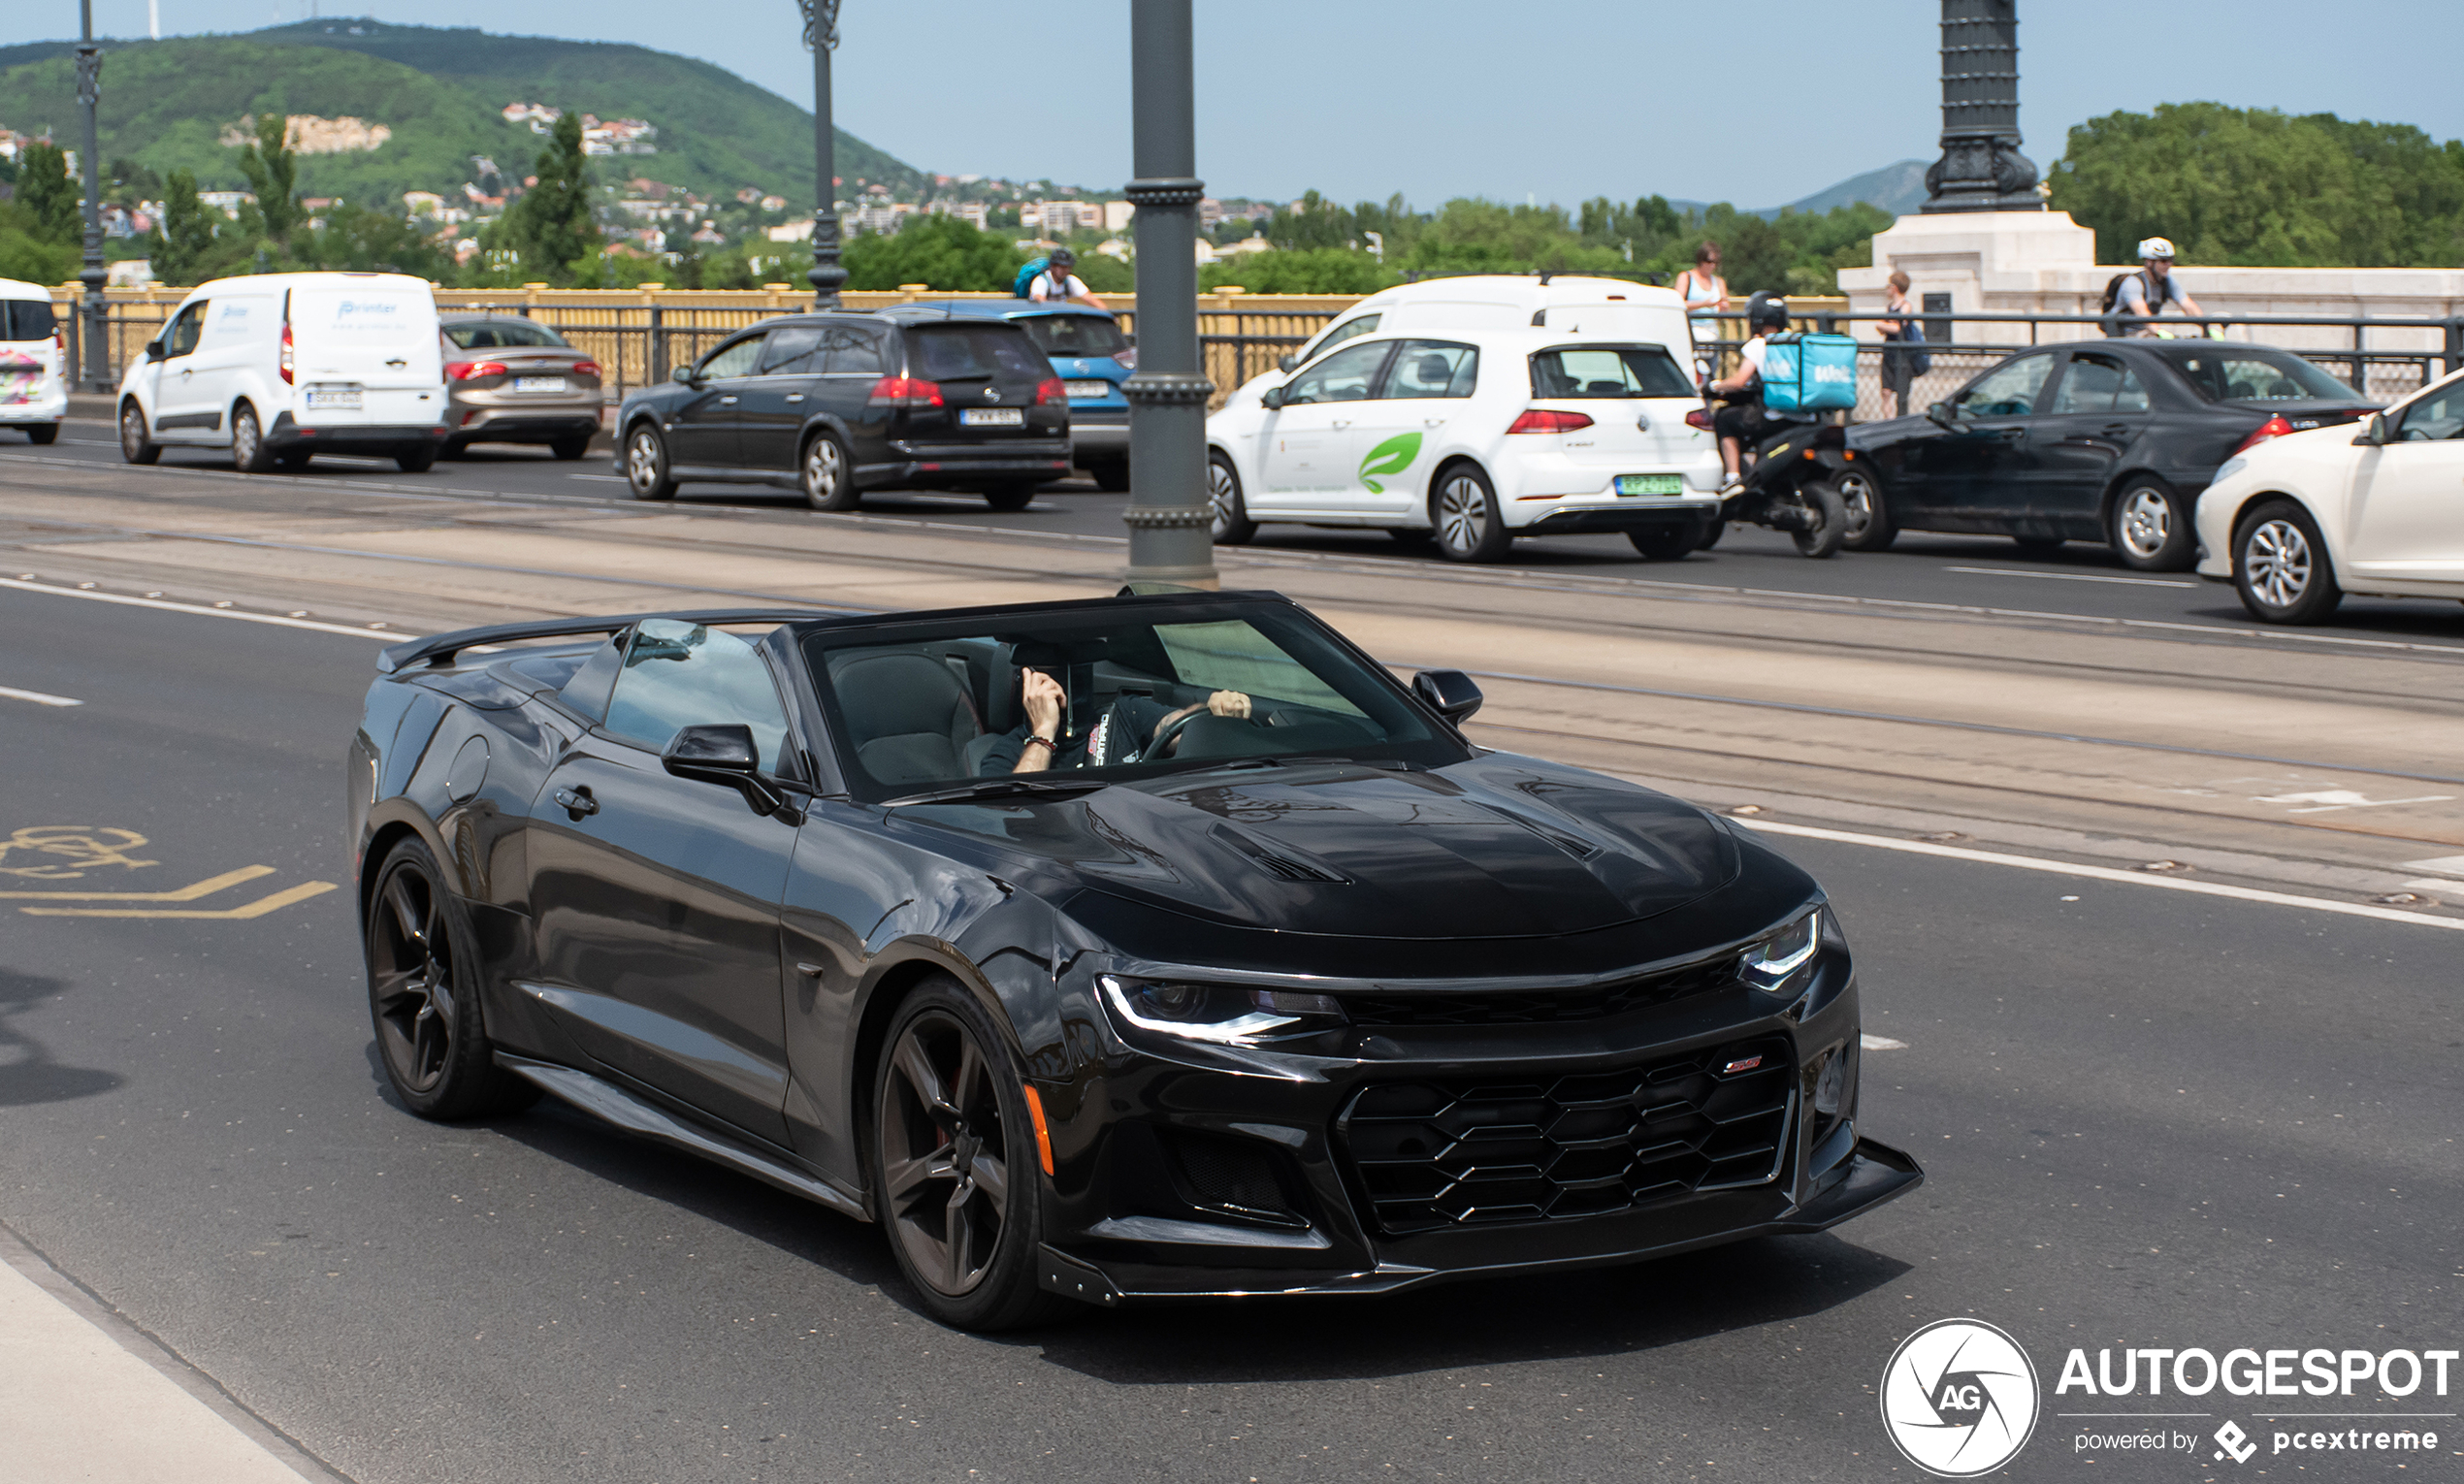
{"points": [[166, 103]]}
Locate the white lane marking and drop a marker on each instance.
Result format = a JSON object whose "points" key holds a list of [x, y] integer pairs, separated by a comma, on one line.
{"points": [[2133, 582], [389, 635], [2446, 865], [2436, 883], [601, 478], [38, 697], [1873, 1042], [2329, 800], [2108, 874]]}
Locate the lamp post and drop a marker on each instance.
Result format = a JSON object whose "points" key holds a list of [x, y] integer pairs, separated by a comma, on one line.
{"points": [[1169, 516], [820, 37], [89, 92], [1981, 169]]}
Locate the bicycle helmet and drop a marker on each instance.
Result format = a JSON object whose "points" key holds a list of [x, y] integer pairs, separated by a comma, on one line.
{"points": [[1766, 313], [1062, 257], [2156, 248]]}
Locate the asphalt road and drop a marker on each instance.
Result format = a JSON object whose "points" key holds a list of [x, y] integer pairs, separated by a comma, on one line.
{"points": [[2146, 1119], [1979, 572]]}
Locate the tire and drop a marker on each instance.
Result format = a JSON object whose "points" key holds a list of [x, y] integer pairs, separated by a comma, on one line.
{"points": [[1463, 511], [453, 448], [1666, 543], [2281, 567], [248, 453], [2037, 546], [1016, 496], [39, 433], [2150, 528], [1830, 515], [949, 1121], [646, 463], [1113, 479], [292, 462], [1232, 524], [1870, 524], [423, 995], [418, 463], [1713, 529], [137, 444], [569, 449], [826, 476]]}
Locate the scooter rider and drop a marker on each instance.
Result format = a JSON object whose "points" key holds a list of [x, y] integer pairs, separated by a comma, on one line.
{"points": [[1765, 315]]}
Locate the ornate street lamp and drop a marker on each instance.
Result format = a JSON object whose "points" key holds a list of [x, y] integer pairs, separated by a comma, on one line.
{"points": [[820, 37], [89, 92], [1168, 515], [1981, 169]]}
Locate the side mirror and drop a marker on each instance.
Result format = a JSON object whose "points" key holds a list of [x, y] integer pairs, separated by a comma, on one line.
{"points": [[156, 350], [1943, 415], [2373, 432], [684, 374], [724, 755], [1450, 693], [1274, 397], [1288, 362]]}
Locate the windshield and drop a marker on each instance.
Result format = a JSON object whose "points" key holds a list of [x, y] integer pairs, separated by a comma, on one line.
{"points": [[1074, 334], [964, 352], [2258, 373], [1609, 370], [1118, 694], [502, 335]]}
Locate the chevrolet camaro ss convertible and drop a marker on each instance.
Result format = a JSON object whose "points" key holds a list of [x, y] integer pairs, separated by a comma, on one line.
{"points": [[1159, 945]]}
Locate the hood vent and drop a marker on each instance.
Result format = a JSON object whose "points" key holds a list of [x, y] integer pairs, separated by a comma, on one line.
{"points": [[1275, 863]]}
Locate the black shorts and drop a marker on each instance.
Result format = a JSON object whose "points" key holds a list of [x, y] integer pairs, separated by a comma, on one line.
{"points": [[1739, 420]]}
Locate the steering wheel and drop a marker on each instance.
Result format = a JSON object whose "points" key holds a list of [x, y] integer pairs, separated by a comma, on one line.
{"points": [[1161, 746]]}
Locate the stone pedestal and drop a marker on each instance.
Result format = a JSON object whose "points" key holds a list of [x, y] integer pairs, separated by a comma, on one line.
{"points": [[1988, 263]]}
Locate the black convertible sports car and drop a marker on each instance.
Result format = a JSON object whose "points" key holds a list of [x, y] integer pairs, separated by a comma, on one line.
{"points": [[1152, 946]]}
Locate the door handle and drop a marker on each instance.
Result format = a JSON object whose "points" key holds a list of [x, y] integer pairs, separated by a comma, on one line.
{"points": [[1433, 422], [2116, 430], [796, 395], [2013, 435], [577, 802], [1340, 422], [727, 401]]}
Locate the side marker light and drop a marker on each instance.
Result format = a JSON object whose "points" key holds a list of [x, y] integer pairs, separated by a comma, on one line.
{"points": [[1043, 1135]]}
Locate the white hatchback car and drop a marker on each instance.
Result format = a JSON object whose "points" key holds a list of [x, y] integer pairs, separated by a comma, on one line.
{"points": [[1477, 436], [34, 389], [2298, 521]]}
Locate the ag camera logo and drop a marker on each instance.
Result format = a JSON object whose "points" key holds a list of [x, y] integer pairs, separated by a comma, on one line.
{"points": [[1960, 1398]]}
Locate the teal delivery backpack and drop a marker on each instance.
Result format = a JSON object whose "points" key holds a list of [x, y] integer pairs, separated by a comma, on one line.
{"points": [[1809, 374]]}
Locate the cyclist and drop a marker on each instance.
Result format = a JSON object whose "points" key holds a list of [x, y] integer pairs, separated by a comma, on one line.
{"points": [[2142, 296], [1765, 315], [1057, 283]]}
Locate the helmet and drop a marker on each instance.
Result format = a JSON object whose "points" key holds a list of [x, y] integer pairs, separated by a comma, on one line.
{"points": [[1062, 257], [1766, 311], [2156, 248]]}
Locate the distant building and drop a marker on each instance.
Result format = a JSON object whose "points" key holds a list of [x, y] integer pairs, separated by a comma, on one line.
{"points": [[1117, 214], [773, 203], [1210, 213], [228, 202], [423, 203], [792, 232]]}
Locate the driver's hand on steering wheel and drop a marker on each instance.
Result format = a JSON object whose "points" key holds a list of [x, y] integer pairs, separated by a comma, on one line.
{"points": [[1231, 703]]}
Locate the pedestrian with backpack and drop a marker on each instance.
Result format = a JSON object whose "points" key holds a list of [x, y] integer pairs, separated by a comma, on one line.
{"points": [[1899, 367], [2131, 300], [1050, 281]]}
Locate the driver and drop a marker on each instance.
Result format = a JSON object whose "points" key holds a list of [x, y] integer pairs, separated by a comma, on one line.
{"points": [[1126, 729]]}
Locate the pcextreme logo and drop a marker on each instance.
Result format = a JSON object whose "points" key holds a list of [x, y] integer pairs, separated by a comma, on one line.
{"points": [[1960, 1398], [1391, 457]]}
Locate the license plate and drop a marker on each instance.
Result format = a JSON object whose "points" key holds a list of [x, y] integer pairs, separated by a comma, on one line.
{"points": [[539, 383], [1081, 390], [992, 417], [345, 399], [1650, 484]]}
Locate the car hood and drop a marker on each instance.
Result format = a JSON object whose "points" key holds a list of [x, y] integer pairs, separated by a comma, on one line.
{"points": [[1499, 847]]}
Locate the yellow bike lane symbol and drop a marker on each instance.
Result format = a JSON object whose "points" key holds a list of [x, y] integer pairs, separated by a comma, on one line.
{"points": [[64, 853]]}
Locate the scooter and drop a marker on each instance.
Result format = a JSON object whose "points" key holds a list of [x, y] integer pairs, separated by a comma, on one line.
{"points": [[1788, 481]]}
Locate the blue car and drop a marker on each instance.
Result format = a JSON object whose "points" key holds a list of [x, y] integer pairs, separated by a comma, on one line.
{"points": [[1092, 357]]}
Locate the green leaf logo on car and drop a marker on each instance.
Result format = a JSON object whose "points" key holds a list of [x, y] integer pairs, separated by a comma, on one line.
{"points": [[1391, 457]]}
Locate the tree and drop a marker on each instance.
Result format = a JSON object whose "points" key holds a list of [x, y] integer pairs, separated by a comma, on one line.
{"points": [[26, 253], [183, 245], [553, 226], [358, 239], [132, 182], [943, 251], [1302, 271], [52, 198], [273, 173]]}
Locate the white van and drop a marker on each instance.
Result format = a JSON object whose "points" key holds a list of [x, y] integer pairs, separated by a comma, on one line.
{"points": [[34, 387], [279, 368], [1490, 302]]}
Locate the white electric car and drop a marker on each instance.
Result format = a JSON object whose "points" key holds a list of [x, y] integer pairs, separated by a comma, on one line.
{"points": [[2298, 521], [1476, 437], [34, 389]]}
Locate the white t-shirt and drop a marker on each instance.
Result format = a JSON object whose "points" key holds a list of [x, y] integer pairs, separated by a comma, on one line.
{"points": [[1044, 287], [1752, 353]]}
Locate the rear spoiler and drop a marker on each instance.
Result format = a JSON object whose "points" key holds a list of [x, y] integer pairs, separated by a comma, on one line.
{"points": [[438, 650]]}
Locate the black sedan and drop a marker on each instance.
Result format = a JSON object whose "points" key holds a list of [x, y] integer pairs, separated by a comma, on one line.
{"points": [[2111, 440], [1149, 947], [835, 404]]}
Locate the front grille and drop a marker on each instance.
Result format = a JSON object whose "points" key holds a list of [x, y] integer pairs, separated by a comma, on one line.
{"points": [[1540, 1008], [1470, 1151]]}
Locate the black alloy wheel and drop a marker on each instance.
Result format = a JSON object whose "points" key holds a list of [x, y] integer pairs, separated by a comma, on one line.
{"points": [[1826, 521], [1464, 509], [1668, 543], [2281, 566], [1232, 526], [248, 453], [827, 479], [1016, 495], [2150, 528], [136, 440], [1869, 525], [955, 1172], [423, 996], [646, 463]]}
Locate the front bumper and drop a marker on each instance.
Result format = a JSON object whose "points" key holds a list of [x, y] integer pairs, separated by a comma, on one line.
{"points": [[357, 438]]}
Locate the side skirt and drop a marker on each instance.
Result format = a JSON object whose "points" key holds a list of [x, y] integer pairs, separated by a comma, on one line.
{"points": [[604, 1100]]}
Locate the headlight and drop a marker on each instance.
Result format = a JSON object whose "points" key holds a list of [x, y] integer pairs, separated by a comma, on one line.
{"points": [[1227, 1015], [1768, 964]]}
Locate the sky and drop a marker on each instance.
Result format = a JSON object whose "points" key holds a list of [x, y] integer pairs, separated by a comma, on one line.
{"points": [[1557, 102]]}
